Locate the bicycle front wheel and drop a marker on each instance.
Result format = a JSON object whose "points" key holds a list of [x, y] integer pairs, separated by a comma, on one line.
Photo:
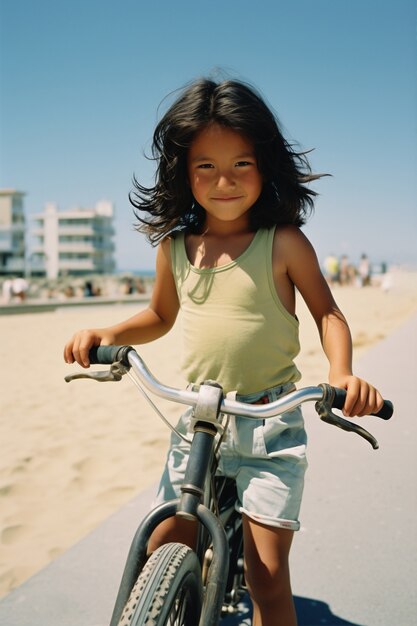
{"points": [[168, 591]]}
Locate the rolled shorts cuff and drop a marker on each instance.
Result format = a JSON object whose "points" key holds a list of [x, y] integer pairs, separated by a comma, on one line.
{"points": [[270, 521]]}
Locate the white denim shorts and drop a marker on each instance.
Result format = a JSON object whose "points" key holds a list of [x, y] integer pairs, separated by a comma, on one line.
{"points": [[266, 458]]}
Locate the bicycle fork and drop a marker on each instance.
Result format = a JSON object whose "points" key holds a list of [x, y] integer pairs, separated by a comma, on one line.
{"points": [[188, 506]]}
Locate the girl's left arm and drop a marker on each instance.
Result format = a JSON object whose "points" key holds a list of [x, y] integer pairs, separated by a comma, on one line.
{"points": [[304, 272]]}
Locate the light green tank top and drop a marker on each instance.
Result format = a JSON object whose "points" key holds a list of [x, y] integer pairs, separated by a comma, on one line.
{"points": [[235, 328]]}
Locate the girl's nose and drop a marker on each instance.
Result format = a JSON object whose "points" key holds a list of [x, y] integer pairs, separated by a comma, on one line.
{"points": [[225, 180]]}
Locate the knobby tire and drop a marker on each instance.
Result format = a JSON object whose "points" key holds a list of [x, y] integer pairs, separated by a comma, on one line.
{"points": [[168, 591]]}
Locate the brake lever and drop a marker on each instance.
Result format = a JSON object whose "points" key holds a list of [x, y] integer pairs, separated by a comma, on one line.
{"points": [[324, 410], [114, 374]]}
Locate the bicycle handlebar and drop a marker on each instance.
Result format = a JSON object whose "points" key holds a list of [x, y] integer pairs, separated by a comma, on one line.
{"points": [[128, 357], [339, 400], [106, 355]]}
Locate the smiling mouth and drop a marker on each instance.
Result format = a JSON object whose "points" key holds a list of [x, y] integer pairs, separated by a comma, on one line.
{"points": [[227, 199]]}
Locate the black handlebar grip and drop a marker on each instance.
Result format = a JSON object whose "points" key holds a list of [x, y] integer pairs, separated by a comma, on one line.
{"points": [[106, 355], [339, 400]]}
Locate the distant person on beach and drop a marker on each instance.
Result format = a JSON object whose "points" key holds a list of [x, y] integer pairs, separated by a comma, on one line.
{"points": [[230, 196], [347, 271], [127, 286], [89, 291], [344, 276], [140, 285], [7, 290], [332, 269], [20, 288], [364, 271]]}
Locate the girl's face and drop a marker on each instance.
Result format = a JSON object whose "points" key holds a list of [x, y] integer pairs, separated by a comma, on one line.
{"points": [[223, 173]]}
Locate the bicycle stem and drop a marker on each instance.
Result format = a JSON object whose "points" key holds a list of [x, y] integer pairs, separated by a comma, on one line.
{"points": [[206, 424]]}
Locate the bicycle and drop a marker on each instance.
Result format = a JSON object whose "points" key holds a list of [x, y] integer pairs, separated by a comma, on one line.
{"points": [[177, 585]]}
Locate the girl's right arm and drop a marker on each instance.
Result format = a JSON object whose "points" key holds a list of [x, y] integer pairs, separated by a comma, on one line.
{"points": [[156, 320]]}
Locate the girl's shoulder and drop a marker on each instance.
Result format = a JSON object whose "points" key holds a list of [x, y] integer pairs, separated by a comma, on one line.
{"points": [[172, 246], [166, 247], [290, 241], [173, 236], [288, 233]]}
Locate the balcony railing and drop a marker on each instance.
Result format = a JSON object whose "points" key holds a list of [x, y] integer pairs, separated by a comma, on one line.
{"points": [[13, 265]]}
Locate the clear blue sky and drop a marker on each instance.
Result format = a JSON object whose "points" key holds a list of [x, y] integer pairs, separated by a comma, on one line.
{"points": [[81, 82]]}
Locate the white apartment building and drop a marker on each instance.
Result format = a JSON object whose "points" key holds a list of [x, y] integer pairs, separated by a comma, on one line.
{"points": [[76, 241], [12, 232]]}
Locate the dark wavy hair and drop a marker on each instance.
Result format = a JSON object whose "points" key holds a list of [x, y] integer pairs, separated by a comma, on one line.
{"points": [[170, 205]]}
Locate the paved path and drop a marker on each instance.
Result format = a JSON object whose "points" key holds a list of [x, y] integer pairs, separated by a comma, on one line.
{"points": [[356, 552], [353, 563]]}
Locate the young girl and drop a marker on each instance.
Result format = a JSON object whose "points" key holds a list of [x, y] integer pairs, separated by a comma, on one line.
{"points": [[229, 198]]}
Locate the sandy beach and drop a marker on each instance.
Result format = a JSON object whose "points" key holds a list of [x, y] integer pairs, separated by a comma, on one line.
{"points": [[74, 453]]}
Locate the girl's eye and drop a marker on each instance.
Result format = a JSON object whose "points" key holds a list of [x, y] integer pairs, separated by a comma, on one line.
{"points": [[204, 166], [243, 163]]}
